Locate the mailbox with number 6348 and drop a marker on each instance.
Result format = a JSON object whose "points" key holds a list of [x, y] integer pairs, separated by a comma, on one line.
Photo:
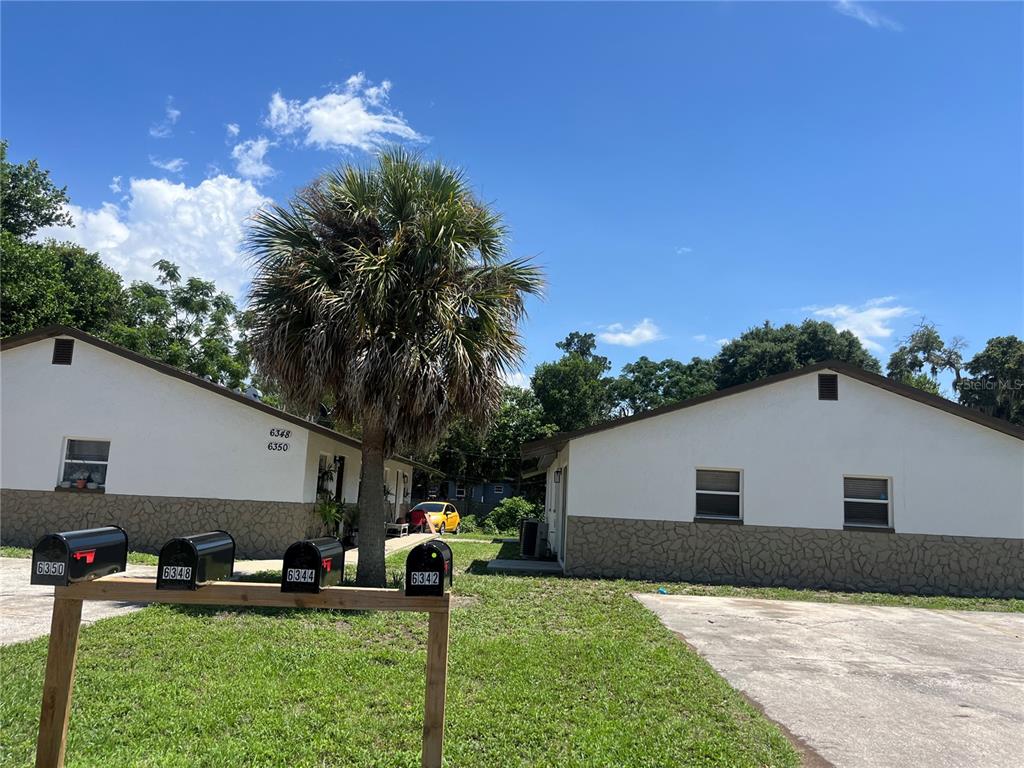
{"points": [[59, 559], [313, 564], [428, 569], [191, 561]]}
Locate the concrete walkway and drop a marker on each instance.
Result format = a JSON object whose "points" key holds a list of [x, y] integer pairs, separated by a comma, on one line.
{"points": [[395, 544], [25, 609], [868, 686]]}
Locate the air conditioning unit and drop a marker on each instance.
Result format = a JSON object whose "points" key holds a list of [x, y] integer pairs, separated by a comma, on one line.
{"points": [[530, 538]]}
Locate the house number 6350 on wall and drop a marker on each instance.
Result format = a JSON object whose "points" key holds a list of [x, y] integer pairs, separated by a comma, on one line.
{"points": [[277, 446]]}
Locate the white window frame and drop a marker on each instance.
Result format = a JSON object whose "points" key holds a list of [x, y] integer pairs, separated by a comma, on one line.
{"points": [[739, 493], [887, 501], [64, 460], [460, 490], [499, 490]]}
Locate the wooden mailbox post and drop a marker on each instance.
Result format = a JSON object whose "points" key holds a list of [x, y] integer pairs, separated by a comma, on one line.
{"points": [[67, 617]]}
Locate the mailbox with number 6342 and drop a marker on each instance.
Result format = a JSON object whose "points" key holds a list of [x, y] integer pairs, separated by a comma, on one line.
{"points": [[428, 569], [60, 559], [313, 564], [191, 561]]}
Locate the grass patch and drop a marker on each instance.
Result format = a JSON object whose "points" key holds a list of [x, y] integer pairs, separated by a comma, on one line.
{"points": [[542, 672], [136, 558]]}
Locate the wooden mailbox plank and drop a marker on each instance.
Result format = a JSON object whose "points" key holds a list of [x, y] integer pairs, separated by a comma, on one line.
{"points": [[67, 617], [59, 682]]}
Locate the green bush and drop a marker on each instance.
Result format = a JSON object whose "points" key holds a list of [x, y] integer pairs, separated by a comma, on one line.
{"points": [[506, 516], [469, 524]]}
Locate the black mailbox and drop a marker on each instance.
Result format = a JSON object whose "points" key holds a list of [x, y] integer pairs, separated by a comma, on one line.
{"points": [[191, 561], [312, 564], [60, 559], [428, 568]]}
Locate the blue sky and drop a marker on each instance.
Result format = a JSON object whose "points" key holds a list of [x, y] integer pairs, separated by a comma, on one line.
{"points": [[681, 171]]}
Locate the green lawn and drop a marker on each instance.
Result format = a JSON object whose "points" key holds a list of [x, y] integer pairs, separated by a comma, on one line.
{"points": [[138, 558], [543, 672]]}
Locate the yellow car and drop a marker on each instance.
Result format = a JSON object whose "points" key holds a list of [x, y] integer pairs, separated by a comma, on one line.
{"points": [[443, 516]]}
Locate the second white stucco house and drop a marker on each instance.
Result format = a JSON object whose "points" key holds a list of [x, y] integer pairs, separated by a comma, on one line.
{"points": [[828, 476], [159, 451]]}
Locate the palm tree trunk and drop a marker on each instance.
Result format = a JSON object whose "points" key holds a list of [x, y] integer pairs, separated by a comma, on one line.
{"points": [[370, 567]]}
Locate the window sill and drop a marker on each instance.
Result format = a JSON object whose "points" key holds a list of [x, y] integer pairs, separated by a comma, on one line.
{"points": [[72, 489], [718, 520], [868, 528]]}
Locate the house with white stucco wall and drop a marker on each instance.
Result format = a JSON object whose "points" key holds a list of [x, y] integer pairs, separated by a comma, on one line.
{"points": [[94, 434], [824, 477]]}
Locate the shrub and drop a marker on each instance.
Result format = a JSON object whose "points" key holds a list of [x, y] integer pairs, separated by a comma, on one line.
{"points": [[469, 524], [509, 512]]}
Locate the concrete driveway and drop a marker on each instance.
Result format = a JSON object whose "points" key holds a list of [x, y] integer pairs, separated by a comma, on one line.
{"points": [[25, 609], [865, 685]]}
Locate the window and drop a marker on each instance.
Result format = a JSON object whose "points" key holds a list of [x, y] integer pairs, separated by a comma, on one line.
{"points": [[86, 460], [718, 493], [866, 502], [499, 489], [828, 386], [63, 351], [460, 490]]}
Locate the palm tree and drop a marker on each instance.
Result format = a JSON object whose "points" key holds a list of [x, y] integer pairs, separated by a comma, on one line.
{"points": [[388, 291]]}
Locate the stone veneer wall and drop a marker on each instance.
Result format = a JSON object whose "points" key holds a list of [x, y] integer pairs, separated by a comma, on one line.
{"points": [[795, 557], [260, 528]]}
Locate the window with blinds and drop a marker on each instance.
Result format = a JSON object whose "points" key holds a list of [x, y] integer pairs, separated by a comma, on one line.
{"points": [[718, 493], [85, 461], [866, 502]]}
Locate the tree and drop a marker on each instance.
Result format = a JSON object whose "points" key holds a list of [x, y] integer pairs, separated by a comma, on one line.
{"points": [[922, 355], [645, 384], [29, 199], [767, 350], [493, 454], [389, 288], [55, 283], [574, 391], [996, 382], [187, 324]]}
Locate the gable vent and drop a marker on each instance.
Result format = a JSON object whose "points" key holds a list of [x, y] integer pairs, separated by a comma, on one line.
{"points": [[63, 349], [828, 386]]}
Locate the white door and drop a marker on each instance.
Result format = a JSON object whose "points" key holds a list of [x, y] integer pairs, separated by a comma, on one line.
{"points": [[564, 518]]}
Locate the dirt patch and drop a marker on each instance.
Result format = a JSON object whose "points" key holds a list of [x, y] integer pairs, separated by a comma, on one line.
{"points": [[465, 601]]}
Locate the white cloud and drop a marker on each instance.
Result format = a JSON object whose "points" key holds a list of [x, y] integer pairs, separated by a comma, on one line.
{"points": [[199, 228], [517, 379], [232, 129], [356, 116], [643, 332], [115, 184], [870, 322], [248, 156], [722, 342], [174, 165], [165, 128], [701, 337], [872, 18], [683, 249]]}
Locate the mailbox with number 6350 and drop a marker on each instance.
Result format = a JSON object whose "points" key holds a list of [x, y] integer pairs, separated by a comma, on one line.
{"points": [[313, 564], [191, 561], [59, 559], [428, 569]]}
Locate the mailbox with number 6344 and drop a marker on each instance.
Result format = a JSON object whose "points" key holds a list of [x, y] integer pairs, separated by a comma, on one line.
{"points": [[60, 559], [312, 564], [191, 561], [428, 569]]}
